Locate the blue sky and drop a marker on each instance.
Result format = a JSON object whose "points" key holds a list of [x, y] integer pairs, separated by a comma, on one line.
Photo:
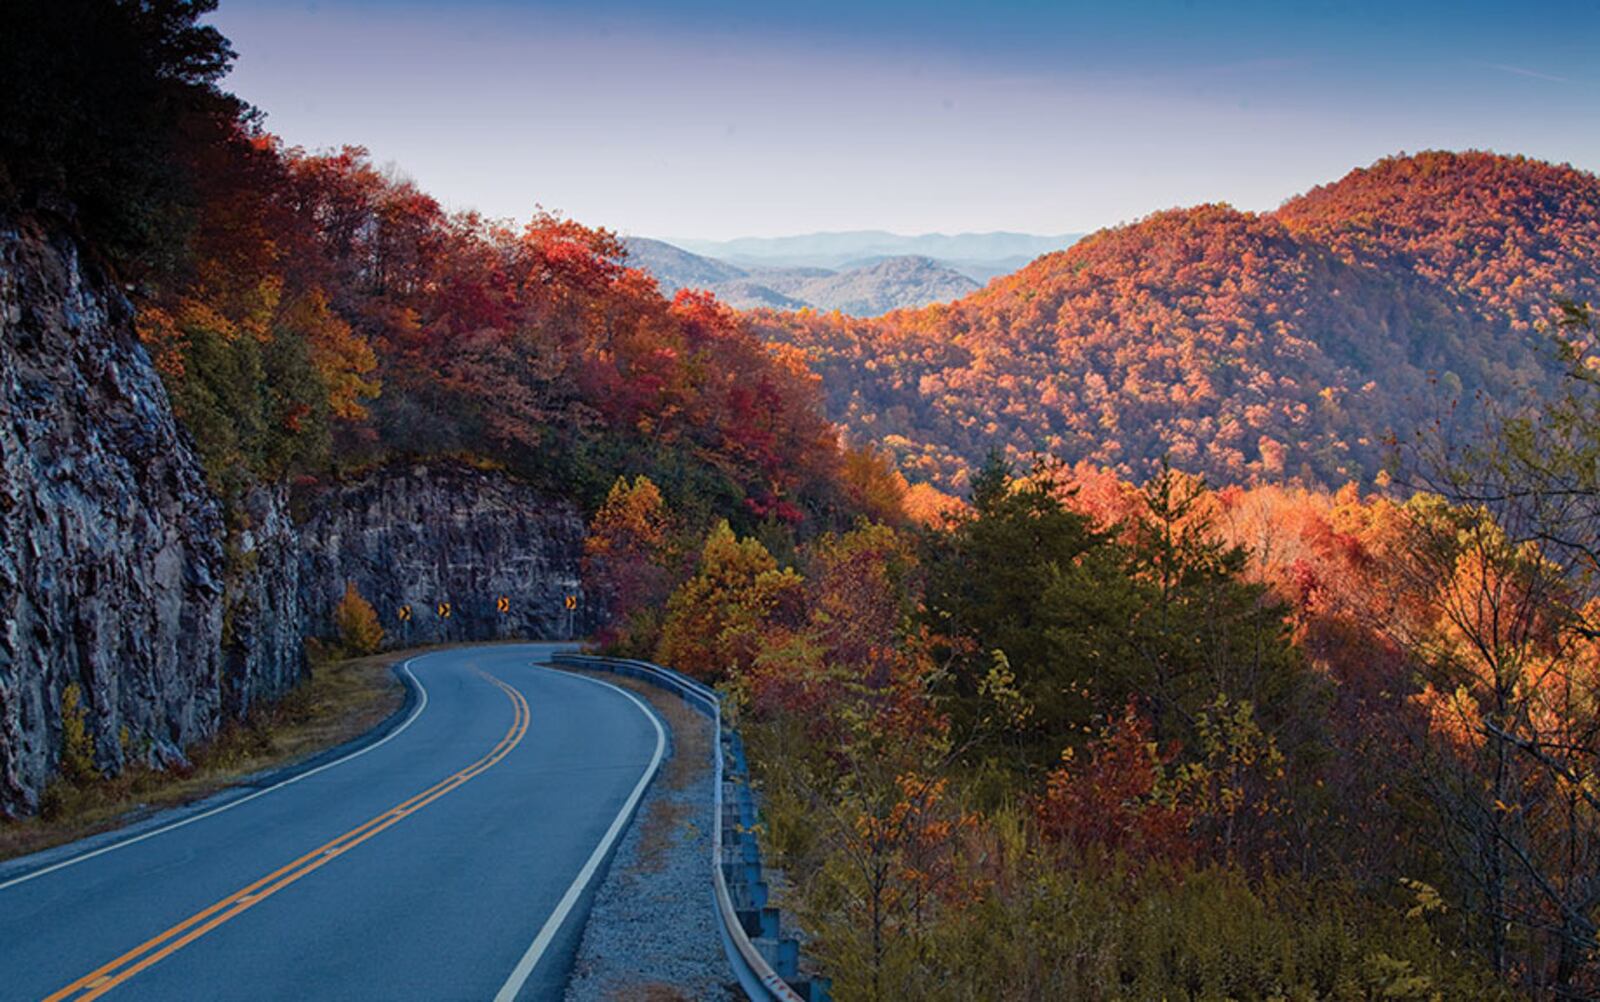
{"points": [[717, 119]]}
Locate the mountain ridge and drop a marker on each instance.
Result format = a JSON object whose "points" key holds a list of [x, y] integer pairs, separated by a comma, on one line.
{"points": [[869, 288], [837, 249], [1281, 345]]}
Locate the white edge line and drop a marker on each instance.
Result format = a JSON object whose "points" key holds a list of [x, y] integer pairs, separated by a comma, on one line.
{"points": [[422, 704], [530, 959]]}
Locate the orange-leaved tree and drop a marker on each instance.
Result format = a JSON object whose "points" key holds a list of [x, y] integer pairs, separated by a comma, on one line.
{"points": [[1120, 796], [628, 560], [1504, 640]]}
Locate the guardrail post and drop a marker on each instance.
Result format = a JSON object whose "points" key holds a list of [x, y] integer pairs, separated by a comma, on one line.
{"points": [[783, 955]]}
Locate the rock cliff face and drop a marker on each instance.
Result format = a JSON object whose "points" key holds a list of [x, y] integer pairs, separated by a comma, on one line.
{"points": [[110, 565], [118, 575], [422, 536], [262, 646]]}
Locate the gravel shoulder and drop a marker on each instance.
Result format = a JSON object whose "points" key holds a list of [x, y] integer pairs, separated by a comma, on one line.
{"points": [[652, 930]]}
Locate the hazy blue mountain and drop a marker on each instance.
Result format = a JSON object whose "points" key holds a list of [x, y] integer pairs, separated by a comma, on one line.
{"points": [[838, 250], [981, 271], [751, 293], [877, 285], [675, 268], [888, 284], [791, 280]]}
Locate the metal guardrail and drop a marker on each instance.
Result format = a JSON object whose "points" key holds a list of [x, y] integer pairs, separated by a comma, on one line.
{"points": [[766, 963]]}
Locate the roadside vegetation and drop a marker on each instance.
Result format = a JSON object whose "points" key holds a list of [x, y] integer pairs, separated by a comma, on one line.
{"points": [[1101, 729], [1089, 739]]}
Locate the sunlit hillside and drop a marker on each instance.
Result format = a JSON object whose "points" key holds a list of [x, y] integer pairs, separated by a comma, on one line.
{"points": [[1243, 346]]}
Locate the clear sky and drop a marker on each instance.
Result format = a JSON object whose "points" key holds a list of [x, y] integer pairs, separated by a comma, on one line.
{"points": [[723, 118]]}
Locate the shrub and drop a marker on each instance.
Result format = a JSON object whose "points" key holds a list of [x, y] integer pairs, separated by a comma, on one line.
{"points": [[77, 747], [357, 623]]}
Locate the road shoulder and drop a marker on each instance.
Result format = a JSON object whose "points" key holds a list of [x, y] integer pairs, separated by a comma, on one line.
{"points": [[651, 932]]}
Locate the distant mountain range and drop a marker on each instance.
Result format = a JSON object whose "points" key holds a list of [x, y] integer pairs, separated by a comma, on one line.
{"points": [[991, 253], [859, 286]]}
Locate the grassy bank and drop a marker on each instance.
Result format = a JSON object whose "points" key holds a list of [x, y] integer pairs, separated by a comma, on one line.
{"points": [[340, 701]]}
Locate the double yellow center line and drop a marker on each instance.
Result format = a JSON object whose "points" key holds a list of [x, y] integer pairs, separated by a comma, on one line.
{"points": [[106, 977]]}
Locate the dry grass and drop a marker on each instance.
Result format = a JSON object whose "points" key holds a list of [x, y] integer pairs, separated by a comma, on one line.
{"points": [[691, 737], [656, 830], [339, 702]]}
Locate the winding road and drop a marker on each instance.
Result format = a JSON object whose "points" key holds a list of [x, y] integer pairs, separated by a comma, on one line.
{"points": [[450, 859]]}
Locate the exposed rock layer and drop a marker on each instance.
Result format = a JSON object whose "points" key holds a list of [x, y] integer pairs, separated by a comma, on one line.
{"points": [[425, 536], [263, 652], [110, 561], [118, 575]]}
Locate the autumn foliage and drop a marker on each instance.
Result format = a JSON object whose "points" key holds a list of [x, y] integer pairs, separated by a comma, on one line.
{"points": [[1197, 704], [1104, 703], [326, 313], [628, 558], [1114, 796], [1239, 345], [311, 312], [718, 620], [356, 622]]}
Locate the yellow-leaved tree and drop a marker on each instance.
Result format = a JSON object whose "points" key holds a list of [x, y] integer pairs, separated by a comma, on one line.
{"points": [[342, 358], [719, 620], [357, 623]]}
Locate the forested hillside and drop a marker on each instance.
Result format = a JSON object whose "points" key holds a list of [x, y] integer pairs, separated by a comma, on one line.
{"points": [[310, 311], [1240, 345], [383, 325], [209, 340]]}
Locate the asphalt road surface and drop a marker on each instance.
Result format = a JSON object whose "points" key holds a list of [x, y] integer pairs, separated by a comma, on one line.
{"points": [[453, 859]]}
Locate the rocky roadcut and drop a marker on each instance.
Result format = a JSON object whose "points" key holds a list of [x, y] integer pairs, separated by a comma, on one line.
{"points": [[112, 568], [418, 535]]}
